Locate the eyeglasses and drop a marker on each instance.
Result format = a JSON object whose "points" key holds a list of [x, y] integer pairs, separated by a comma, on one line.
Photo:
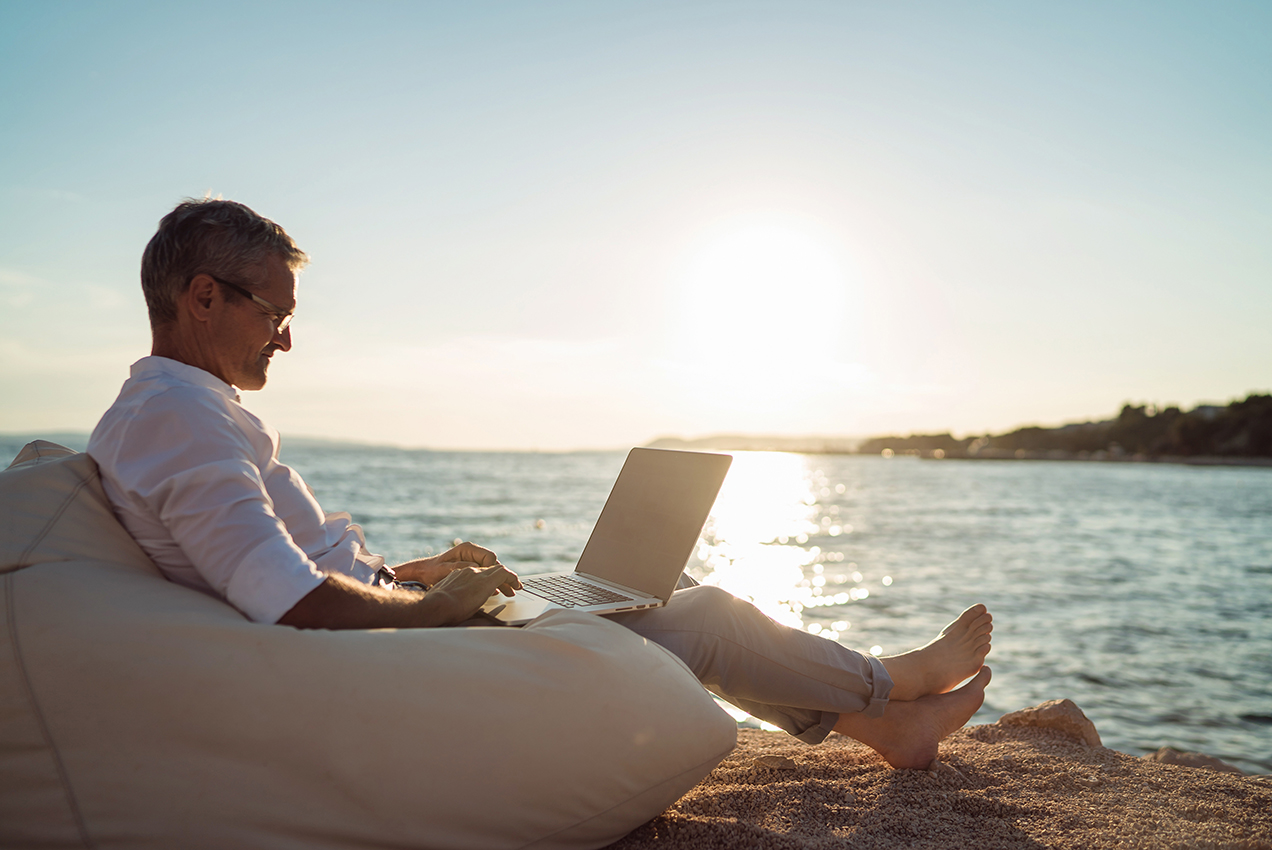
{"points": [[282, 318]]}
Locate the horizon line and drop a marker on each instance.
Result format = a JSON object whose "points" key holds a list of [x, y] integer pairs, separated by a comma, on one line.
{"points": [[719, 435]]}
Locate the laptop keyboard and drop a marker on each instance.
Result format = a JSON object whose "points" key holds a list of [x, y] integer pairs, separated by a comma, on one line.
{"points": [[569, 592]]}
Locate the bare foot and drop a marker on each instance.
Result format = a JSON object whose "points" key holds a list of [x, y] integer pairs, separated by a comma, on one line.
{"points": [[908, 732], [957, 653]]}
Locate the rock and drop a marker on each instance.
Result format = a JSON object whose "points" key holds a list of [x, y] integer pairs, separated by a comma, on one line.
{"points": [[1063, 715], [1088, 780], [773, 762], [938, 769], [1170, 755]]}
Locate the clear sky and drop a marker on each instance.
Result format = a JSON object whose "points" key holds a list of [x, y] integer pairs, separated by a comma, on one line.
{"points": [[554, 225]]}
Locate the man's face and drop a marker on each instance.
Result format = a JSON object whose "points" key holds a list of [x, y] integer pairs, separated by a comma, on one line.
{"points": [[247, 338]]}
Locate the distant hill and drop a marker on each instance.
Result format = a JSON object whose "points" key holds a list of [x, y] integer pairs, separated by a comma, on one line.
{"points": [[1242, 429], [1239, 430]]}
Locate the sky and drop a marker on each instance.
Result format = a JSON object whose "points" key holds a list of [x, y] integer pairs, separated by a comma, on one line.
{"points": [[587, 225]]}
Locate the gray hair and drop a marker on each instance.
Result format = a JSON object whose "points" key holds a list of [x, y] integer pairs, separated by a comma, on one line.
{"points": [[209, 236]]}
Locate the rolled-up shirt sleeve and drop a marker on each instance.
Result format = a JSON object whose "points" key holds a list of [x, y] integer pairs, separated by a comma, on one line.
{"points": [[199, 474]]}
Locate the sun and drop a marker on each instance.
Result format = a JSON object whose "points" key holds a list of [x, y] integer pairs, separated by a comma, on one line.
{"points": [[760, 302]]}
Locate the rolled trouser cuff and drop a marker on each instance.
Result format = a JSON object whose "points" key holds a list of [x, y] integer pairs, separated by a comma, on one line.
{"points": [[817, 734], [882, 687]]}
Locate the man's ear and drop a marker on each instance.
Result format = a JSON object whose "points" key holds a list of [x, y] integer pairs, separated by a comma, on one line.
{"points": [[200, 296]]}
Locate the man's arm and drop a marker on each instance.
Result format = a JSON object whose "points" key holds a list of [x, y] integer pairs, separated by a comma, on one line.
{"points": [[345, 603]]}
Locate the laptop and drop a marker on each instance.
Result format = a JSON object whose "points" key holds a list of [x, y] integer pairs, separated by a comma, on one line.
{"points": [[640, 544]]}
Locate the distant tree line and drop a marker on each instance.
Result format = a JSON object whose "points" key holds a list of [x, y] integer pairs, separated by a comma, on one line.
{"points": [[1242, 429]]}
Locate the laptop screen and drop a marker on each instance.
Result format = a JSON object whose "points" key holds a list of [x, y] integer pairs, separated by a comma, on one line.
{"points": [[653, 517]]}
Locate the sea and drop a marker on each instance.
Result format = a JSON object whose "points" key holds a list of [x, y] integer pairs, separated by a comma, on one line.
{"points": [[1141, 591]]}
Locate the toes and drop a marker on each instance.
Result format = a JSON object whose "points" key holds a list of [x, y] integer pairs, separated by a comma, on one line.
{"points": [[981, 679], [972, 613], [974, 616], [967, 620]]}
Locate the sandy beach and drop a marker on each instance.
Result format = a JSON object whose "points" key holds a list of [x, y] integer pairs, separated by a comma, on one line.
{"points": [[995, 786]]}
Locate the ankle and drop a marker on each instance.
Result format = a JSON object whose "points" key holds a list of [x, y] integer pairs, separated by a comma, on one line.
{"points": [[906, 677]]}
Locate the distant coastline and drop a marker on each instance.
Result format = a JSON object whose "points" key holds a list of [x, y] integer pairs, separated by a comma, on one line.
{"points": [[764, 443], [1238, 434]]}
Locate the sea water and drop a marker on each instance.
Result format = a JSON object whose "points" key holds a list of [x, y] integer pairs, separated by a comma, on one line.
{"points": [[1143, 592], [1140, 591]]}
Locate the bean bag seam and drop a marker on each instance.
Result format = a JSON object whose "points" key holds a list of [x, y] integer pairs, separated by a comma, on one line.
{"points": [[72, 803], [48, 526]]}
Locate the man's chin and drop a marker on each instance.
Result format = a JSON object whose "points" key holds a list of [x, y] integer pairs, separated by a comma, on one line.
{"points": [[256, 380]]}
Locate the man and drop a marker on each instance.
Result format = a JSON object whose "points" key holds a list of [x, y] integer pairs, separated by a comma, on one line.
{"points": [[196, 480]]}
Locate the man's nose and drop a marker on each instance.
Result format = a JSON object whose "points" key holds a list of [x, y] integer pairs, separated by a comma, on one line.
{"points": [[282, 339]]}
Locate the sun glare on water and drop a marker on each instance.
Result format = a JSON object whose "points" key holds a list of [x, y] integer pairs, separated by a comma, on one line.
{"points": [[754, 544]]}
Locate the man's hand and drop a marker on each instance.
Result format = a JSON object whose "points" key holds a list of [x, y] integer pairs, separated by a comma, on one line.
{"points": [[464, 590], [429, 571]]}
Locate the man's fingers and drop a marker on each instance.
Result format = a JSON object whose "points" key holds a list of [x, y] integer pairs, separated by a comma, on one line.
{"points": [[501, 571], [485, 557], [513, 581], [472, 552], [503, 579]]}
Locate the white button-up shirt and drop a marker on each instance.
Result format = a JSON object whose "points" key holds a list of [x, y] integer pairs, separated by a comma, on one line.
{"points": [[195, 478]]}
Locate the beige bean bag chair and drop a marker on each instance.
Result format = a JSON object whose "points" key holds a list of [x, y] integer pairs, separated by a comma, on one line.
{"points": [[138, 713]]}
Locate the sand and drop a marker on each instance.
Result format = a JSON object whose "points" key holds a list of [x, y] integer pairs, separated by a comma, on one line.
{"points": [[996, 786]]}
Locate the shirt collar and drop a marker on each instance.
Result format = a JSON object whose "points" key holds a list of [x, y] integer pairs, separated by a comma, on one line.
{"points": [[183, 372]]}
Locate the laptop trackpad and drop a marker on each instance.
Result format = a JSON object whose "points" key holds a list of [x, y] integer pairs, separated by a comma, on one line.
{"points": [[516, 610]]}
